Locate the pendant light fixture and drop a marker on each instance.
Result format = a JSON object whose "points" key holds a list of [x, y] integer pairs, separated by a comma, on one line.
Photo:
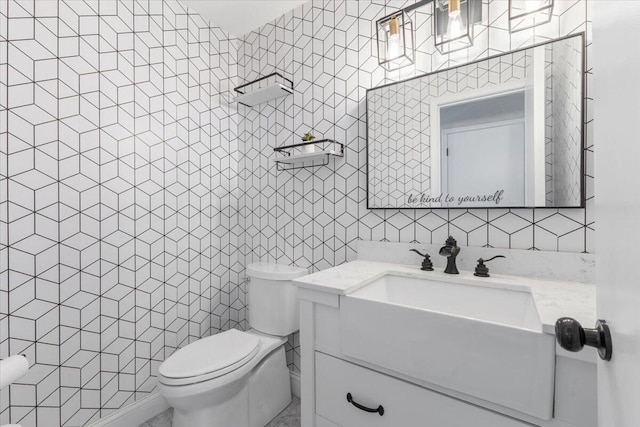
{"points": [[453, 29], [394, 34], [525, 14]]}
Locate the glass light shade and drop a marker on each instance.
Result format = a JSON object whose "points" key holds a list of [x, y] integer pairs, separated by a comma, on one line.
{"points": [[525, 14], [455, 24], [452, 28], [394, 34]]}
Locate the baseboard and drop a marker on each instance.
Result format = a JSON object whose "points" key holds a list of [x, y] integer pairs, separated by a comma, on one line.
{"points": [[295, 383], [141, 410], [135, 413]]}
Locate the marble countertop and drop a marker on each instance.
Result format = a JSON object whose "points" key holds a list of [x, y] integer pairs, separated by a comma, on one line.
{"points": [[553, 299]]}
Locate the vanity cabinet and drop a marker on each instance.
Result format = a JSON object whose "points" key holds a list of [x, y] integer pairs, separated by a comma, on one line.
{"points": [[402, 403], [328, 375]]}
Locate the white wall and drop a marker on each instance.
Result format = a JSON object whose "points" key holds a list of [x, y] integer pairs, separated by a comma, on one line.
{"points": [[118, 226]]}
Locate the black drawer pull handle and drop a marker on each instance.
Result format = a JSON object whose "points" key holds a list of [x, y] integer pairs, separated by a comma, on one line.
{"points": [[379, 409]]}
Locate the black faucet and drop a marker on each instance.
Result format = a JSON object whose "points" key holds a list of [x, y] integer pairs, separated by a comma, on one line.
{"points": [[451, 251]]}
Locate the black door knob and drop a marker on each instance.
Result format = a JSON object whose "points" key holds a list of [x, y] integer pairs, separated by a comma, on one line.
{"points": [[573, 337]]}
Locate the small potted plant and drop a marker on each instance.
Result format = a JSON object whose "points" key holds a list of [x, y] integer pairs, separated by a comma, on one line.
{"points": [[309, 148]]}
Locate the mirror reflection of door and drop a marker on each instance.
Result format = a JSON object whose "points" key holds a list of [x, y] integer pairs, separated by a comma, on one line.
{"points": [[495, 152], [484, 138]]}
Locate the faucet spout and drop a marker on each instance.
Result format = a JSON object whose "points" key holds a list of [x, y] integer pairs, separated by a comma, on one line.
{"points": [[451, 251]]}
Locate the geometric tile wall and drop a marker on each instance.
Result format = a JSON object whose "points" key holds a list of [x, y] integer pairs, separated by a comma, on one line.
{"points": [[313, 217], [118, 184], [567, 124], [400, 146], [132, 194]]}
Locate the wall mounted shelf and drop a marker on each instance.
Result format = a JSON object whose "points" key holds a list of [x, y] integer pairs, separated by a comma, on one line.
{"points": [[297, 156], [264, 94]]}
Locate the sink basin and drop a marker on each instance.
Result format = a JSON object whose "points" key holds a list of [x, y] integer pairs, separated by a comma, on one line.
{"points": [[474, 339], [507, 307]]}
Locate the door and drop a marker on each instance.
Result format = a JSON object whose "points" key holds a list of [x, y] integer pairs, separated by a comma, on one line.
{"points": [[484, 159], [616, 53]]}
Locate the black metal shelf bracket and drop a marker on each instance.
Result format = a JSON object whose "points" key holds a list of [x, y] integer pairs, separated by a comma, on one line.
{"points": [[287, 150], [240, 88]]}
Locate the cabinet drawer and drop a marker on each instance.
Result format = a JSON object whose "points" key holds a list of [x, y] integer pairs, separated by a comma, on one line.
{"points": [[404, 404]]}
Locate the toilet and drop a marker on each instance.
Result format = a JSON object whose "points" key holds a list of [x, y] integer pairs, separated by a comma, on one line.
{"points": [[236, 378]]}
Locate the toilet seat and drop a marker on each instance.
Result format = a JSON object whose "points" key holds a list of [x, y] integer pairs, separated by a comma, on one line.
{"points": [[209, 358]]}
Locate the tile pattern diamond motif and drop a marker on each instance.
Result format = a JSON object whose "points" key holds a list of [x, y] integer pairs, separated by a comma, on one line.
{"points": [[567, 125], [132, 195], [120, 238], [312, 218]]}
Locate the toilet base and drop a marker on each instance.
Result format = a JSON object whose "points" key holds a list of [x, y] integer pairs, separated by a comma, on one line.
{"points": [[269, 389], [232, 412], [255, 400]]}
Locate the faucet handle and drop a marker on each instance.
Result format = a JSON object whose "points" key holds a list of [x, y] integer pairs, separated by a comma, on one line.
{"points": [[451, 241], [427, 265], [481, 269]]}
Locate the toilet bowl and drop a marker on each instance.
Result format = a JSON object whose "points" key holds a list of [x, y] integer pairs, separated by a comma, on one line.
{"points": [[238, 378]]}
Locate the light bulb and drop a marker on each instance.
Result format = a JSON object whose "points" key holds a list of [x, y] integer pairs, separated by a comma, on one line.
{"points": [[393, 43], [455, 26], [394, 46]]}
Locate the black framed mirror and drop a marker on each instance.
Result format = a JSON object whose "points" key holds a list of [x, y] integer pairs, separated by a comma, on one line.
{"points": [[502, 132]]}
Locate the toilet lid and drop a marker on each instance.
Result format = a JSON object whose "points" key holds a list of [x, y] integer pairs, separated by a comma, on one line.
{"points": [[211, 354], [264, 270]]}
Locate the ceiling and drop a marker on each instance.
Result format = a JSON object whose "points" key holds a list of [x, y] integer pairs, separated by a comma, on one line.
{"points": [[239, 17]]}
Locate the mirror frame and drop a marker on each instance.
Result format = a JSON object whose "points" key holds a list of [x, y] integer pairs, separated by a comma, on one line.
{"points": [[583, 139]]}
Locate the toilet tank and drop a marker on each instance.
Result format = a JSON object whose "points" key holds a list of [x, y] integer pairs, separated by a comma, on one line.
{"points": [[272, 298]]}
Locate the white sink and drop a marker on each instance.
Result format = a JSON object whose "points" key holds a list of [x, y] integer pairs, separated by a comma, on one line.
{"points": [[507, 307], [482, 341]]}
